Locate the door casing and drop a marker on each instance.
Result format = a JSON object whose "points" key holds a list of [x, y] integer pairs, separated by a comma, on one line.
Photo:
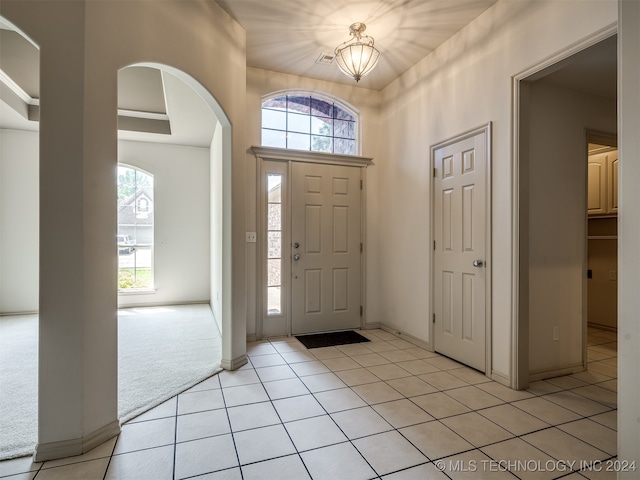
{"points": [[287, 157]]}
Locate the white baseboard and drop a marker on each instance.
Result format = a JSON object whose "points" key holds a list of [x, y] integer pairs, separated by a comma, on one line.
{"points": [[76, 446], [15, 314], [405, 336], [555, 372], [235, 363], [500, 378]]}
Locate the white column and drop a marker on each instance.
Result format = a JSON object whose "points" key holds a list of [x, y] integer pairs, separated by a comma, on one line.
{"points": [[78, 153]]}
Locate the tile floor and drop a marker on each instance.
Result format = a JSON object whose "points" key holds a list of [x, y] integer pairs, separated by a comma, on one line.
{"points": [[385, 409]]}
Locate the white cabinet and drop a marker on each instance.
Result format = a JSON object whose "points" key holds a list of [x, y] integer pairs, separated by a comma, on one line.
{"points": [[602, 183]]}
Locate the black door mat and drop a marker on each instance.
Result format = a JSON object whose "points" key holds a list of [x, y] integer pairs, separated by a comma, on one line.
{"points": [[332, 339]]}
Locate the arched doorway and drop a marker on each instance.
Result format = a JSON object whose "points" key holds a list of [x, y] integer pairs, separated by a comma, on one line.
{"points": [[172, 139]]}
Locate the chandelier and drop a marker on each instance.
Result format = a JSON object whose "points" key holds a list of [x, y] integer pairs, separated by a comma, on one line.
{"points": [[357, 57]]}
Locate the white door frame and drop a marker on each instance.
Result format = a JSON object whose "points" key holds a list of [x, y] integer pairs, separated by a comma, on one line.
{"points": [[486, 130], [519, 201], [288, 156]]}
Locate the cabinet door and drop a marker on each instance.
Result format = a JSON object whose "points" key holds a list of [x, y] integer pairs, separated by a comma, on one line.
{"points": [[597, 184], [612, 182]]}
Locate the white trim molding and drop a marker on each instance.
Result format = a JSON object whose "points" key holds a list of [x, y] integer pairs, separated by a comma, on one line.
{"points": [[519, 355], [287, 154], [235, 363], [76, 446]]}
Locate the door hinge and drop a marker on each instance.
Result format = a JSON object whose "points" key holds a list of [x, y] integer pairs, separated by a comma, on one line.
{"points": [[434, 172], [361, 310], [434, 244], [361, 184], [434, 318], [361, 248]]}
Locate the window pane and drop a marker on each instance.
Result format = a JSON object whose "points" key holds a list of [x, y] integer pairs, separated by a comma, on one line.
{"points": [[299, 117], [277, 103], [135, 229], [274, 216], [274, 244], [321, 108], [274, 119], [274, 138], [344, 147], [273, 272], [321, 144], [298, 141], [322, 126], [274, 302], [297, 103], [342, 114], [298, 123], [344, 129], [274, 188], [143, 267]]}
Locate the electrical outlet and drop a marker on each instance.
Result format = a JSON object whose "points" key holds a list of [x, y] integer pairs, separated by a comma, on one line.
{"points": [[251, 237], [556, 334]]}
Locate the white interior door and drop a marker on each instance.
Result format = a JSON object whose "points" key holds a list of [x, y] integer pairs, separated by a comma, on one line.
{"points": [[325, 248], [460, 270]]}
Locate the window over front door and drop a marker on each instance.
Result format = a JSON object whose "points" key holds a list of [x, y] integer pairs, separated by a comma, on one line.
{"points": [[309, 122]]}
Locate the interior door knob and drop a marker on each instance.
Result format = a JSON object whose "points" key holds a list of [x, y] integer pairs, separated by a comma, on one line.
{"points": [[296, 245], [296, 257], [478, 263]]}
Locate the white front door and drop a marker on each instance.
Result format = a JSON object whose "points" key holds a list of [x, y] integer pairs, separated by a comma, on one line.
{"points": [[325, 248], [460, 249]]}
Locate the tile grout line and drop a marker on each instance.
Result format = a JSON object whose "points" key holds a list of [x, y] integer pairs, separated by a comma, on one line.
{"points": [[385, 382], [233, 437], [330, 417]]}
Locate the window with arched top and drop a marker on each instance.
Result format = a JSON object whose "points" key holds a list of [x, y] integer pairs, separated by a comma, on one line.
{"points": [[309, 122], [135, 229]]}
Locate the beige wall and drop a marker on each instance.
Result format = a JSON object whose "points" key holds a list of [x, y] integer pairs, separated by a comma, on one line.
{"points": [[558, 121], [465, 83], [367, 102], [181, 193], [181, 221], [83, 45], [19, 227]]}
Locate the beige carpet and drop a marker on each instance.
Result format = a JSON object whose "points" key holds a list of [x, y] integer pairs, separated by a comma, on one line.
{"points": [[161, 352]]}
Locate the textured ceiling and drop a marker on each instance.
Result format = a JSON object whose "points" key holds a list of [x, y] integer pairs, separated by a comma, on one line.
{"points": [[289, 35]]}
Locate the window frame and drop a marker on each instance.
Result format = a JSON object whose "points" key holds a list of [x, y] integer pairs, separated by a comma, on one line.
{"points": [[150, 210], [314, 94]]}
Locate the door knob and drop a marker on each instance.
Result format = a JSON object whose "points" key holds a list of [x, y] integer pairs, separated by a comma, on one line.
{"points": [[296, 257], [478, 263], [296, 245]]}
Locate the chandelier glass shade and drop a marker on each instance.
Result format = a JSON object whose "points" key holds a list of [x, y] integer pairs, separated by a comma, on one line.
{"points": [[357, 56]]}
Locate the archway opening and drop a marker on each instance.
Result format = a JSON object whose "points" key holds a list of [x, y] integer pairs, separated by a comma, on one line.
{"points": [[169, 129]]}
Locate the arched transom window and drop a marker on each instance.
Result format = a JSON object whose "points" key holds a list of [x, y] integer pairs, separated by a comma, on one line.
{"points": [[309, 122]]}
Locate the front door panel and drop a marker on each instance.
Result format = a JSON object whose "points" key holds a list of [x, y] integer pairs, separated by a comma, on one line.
{"points": [[325, 239]]}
